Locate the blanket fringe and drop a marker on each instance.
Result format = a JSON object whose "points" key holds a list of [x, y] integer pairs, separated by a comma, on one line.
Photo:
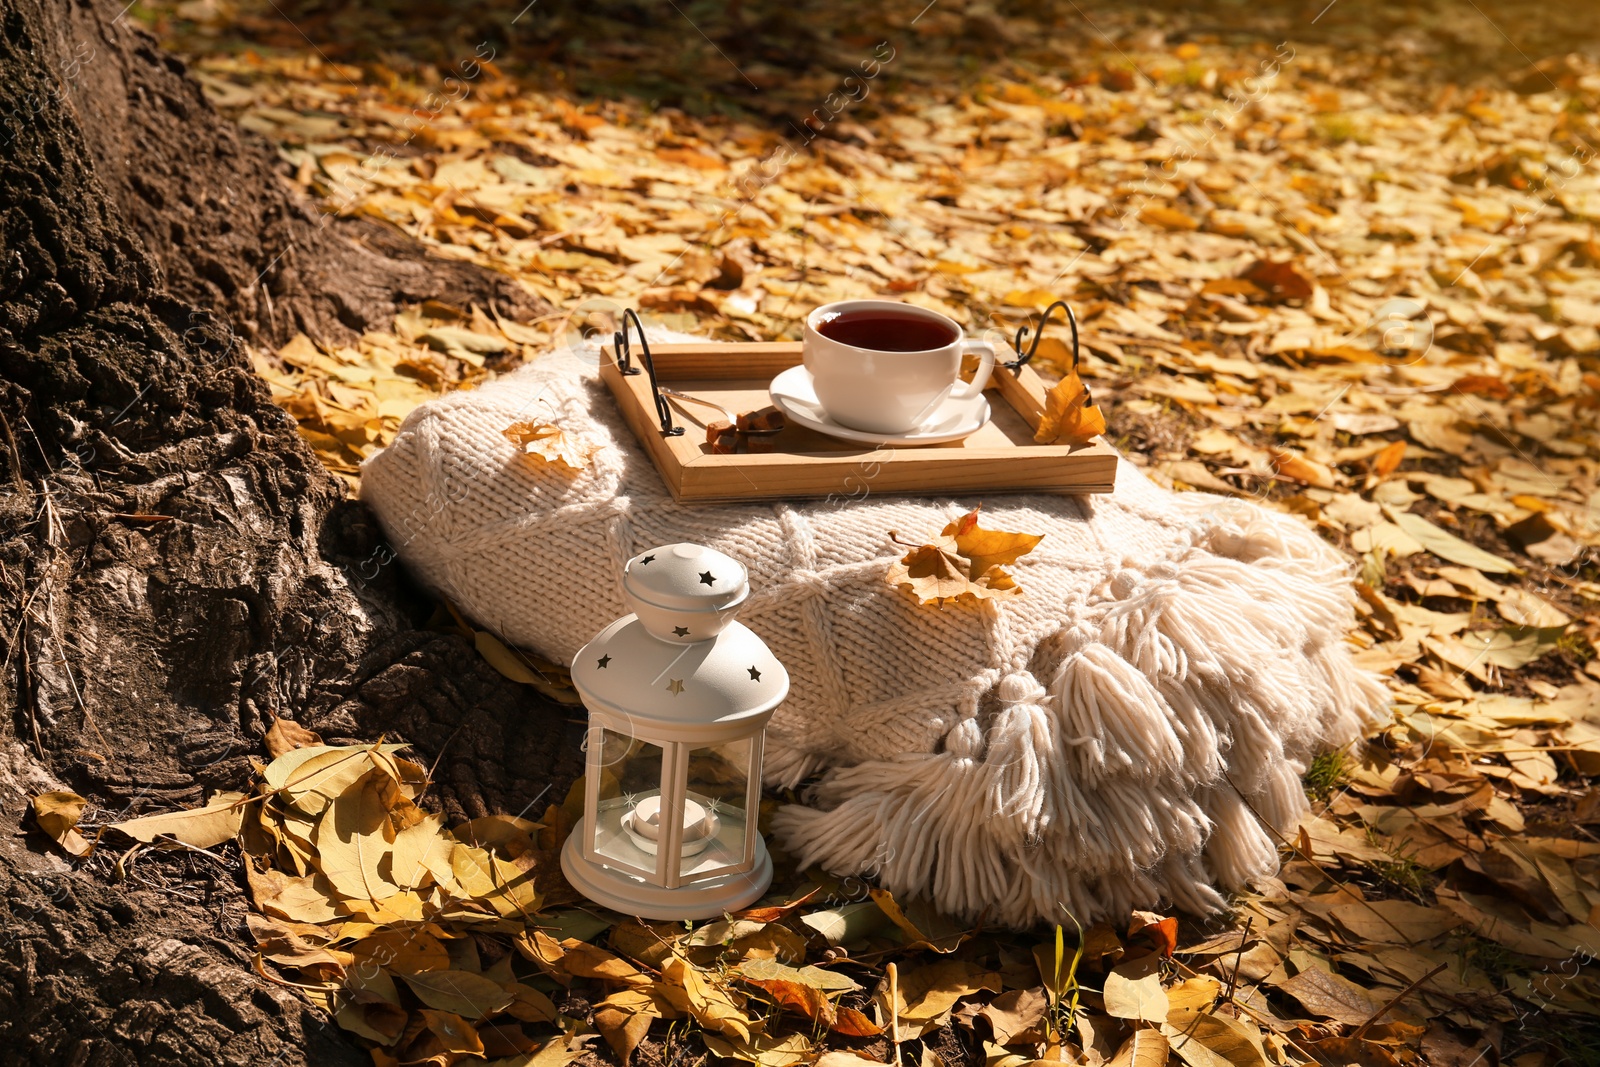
{"points": [[1185, 705]]}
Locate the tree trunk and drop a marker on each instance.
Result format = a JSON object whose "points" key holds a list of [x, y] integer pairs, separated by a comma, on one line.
{"points": [[176, 568]]}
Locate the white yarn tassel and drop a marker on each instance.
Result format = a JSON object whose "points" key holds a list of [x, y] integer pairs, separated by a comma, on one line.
{"points": [[1115, 720]]}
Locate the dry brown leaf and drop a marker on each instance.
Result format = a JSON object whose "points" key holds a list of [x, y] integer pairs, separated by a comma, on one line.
{"points": [[1135, 998], [698, 993], [286, 735], [469, 995], [444, 1038], [1161, 930], [355, 838], [966, 564], [1393, 921], [1070, 415], [1331, 996], [1280, 280], [207, 827], [926, 995], [1387, 461], [544, 443], [307, 899], [1017, 1016], [1146, 1048], [57, 814]]}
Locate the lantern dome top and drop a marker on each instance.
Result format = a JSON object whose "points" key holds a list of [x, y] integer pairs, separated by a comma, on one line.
{"points": [[686, 576], [702, 690]]}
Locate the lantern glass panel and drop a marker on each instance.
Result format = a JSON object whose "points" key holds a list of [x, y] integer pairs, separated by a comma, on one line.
{"points": [[715, 838], [629, 773]]}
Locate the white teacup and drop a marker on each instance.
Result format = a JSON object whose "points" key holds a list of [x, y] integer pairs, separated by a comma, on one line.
{"points": [[866, 382]]}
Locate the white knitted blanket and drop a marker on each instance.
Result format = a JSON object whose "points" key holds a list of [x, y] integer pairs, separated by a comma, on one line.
{"points": [[1106, 741]]}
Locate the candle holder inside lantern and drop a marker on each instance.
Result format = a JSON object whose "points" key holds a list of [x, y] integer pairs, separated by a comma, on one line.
{"points": [[679, 696]]}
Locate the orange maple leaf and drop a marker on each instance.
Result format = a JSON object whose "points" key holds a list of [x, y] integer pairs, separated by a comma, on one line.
{"points": [[1070, 414], [966, 564], [543, 442]]}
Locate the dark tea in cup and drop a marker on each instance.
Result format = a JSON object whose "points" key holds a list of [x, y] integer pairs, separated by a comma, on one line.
{"points": [[887, 331], [885, 367]]}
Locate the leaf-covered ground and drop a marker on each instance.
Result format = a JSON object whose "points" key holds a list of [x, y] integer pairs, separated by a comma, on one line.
{"points": [[1337, 257]]}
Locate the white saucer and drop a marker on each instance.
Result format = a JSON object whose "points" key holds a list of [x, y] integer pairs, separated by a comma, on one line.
{"points": [[795, 396]]}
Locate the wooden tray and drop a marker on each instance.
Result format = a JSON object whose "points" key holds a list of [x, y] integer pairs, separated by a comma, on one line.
{"points": [[1000, 457]]}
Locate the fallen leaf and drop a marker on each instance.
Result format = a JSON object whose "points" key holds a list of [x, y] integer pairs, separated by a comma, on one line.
{"points": [[1139, 998], [544, 443], [1070, 414], [286, 735], [766, 1050], [1161, 930], [57, 814], [470, 996], [1331, 996], [1216, 1041], [1017, 1015], [1393, 921], [310, 777], [1146, 1048], [965, 565], [355, 838], [307, 899], [207, 827], [927, 994], [1387, 461], [712, 1006], [1445, 545], [1280, 280]]}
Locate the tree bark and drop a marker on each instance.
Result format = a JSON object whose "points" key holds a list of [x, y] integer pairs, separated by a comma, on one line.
{"points": [[176, 568]]}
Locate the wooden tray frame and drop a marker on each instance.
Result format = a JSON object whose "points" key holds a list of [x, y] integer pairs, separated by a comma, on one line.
{"points": [[694, 475]]}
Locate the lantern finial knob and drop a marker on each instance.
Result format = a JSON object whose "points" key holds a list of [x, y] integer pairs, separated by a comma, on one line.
{"points": [[685, 593]]}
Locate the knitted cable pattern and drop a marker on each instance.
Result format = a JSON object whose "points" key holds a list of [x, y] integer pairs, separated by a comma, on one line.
{"points": [[1111, 739]]}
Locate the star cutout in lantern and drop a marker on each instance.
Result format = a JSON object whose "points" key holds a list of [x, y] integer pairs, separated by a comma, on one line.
{"points": [[675, 686], [681, 631], [604, 661], [755, 675], [647, 559], [706, 578]]}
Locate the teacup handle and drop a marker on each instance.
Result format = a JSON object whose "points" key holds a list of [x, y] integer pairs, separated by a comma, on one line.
{"points": [[985, 350]]}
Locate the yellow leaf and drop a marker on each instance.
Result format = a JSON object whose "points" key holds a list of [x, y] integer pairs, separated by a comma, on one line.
{"points": [[286, 735], [945, 572], [422, 851], [1070, 414], [543, 443], [471, 996], [988, 548], [1136, 998], [1217, 1041], [1447, 546], [355, 836], [926, 995], [312, 776], [401, 951], [711, 1005], [1146, 1048], [764, 1050], [57, 814], [304, 900], [205, 827], [1168, 218]]}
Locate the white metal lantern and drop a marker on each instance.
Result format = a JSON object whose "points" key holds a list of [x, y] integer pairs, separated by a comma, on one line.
{"points": [[679, 696]]}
